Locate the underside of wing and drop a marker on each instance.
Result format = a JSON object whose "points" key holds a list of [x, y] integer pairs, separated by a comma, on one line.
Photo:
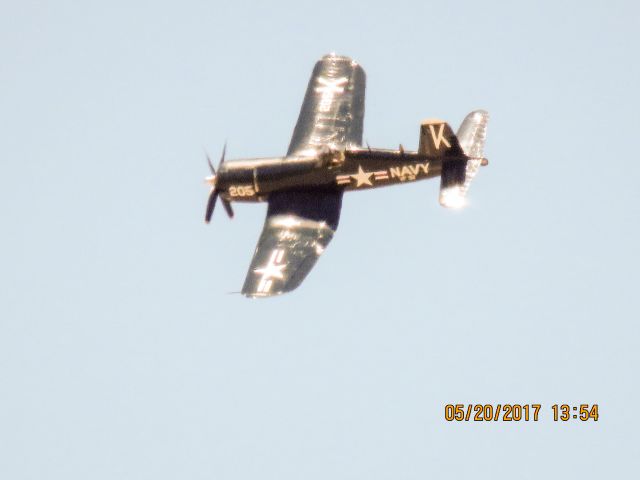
{"points": [[332, 113], [298, 227]]}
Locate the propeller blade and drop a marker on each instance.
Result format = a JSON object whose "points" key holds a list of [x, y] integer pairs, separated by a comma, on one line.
{"points": [[213, 196], [211, 203], [224, 151], [213, 170], [227, 207]]}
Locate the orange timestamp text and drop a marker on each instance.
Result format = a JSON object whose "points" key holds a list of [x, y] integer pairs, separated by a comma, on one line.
{"points": [[515, 412]]}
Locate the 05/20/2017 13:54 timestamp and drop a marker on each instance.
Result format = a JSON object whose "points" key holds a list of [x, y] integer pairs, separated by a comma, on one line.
{"points": [[515, 412]]}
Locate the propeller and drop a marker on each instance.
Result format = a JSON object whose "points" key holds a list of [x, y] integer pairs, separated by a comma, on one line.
{"points": [[213, 194]]}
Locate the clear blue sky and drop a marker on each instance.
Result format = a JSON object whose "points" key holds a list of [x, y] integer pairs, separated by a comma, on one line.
{"points": [[122, 355]]}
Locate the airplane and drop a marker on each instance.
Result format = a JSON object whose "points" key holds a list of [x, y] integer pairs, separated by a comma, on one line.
{"points": [[326, 158]]}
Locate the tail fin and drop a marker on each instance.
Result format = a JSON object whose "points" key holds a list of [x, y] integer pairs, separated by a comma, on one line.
{"points": [[437, 139]]}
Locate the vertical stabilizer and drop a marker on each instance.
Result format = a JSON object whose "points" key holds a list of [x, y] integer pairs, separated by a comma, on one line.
{"points": [[437, 139]]}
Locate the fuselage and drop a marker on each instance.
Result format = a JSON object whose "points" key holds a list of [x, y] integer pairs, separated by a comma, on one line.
{"points": [[252, 180], [304, 189]]}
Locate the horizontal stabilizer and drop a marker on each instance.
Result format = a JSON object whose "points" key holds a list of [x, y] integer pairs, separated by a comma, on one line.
{"points": [[471, 135], [456, 177]]}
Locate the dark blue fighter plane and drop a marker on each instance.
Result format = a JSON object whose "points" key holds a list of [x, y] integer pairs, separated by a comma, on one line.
{"points": [[326, 157]]}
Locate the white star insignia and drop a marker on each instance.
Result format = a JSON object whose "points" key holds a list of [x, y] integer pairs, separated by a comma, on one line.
{"points": [[331, 85], [273, 269], [362, 177]]}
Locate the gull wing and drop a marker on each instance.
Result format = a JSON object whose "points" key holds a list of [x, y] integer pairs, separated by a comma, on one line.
{"points": [[298, 227], [301, 223], [332, 112]]}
